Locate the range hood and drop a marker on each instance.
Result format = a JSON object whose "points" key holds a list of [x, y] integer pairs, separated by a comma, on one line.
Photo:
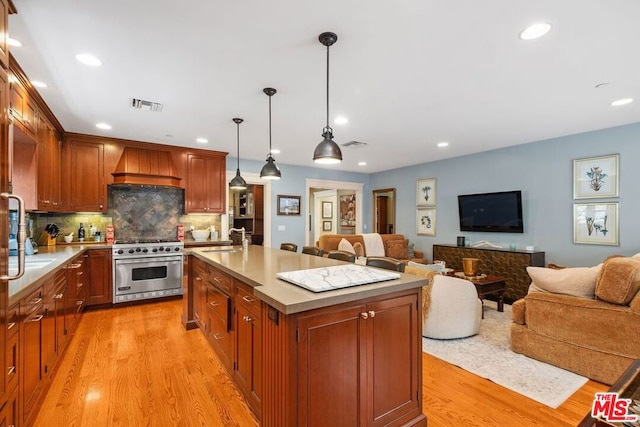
{"points": [[146, 167]]}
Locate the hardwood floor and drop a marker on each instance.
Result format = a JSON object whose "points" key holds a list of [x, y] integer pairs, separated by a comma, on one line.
{"points": [[137, 366]]}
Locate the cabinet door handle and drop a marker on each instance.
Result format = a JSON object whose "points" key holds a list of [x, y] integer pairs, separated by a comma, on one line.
{"points": [[247, 319], [247, 299], [59, 296], [11, 370], [372, 313], [364, 315], [37, 318], [36, 301], [198, 278], [214, 303], [11, 325], [217, 336], [79, 303]]}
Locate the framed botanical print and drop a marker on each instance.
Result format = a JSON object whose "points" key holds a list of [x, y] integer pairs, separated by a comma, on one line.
{"points": [[326, 225], [596, 177], [426, 222], [327, 210], [595, 223], [426, 192]]}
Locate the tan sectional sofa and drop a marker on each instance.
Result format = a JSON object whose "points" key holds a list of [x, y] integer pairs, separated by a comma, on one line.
{"points": [[597, 336], [395, 245]]}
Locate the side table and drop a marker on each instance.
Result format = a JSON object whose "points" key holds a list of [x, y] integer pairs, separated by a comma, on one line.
{"points": [[490, 285]]}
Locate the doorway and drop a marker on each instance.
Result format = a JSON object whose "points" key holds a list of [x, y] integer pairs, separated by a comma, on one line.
{"points": [[384, 210], [265, 186]]}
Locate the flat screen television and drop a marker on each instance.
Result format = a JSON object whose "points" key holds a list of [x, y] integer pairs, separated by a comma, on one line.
{"points": [[495, 212]]}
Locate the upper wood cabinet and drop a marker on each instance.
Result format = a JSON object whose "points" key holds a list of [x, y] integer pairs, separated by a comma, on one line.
{"points": [[206, 184], [49, 175], [4, 33], [87, 188]]}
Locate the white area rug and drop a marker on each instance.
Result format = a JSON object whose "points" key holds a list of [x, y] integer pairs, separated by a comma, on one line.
{"points": [[488, 355]]}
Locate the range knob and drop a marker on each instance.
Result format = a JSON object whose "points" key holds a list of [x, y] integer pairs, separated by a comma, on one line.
{"points": [[120, 251], [155, 249], [137, 249], [167, 249], [161, 248], [145, 250], [131, 251], [177, 249]]}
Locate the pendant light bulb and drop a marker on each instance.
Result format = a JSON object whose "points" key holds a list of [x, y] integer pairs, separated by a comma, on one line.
{"points": [[270, 170], [238, 183], [327, 152]]}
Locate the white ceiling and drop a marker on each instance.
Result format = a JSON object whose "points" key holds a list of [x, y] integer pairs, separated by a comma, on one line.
{"points": [[407, 73]]}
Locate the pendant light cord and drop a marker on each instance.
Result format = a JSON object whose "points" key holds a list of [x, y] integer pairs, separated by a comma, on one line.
{"points": [[269, 125], [328, 88], [238, 145]]}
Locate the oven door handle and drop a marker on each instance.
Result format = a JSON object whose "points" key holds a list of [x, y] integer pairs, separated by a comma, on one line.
{"points": [[132, 260]]}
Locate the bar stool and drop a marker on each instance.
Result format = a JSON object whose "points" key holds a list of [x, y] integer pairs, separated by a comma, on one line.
{"points": [[312, 250], [342, 256], [386, 263], [289, 247]]}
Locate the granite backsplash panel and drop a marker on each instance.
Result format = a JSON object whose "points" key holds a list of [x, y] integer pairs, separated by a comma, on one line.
{"points": [[145, 211]]}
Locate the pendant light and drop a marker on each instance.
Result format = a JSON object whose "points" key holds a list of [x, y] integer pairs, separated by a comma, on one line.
{"points": [[270, 170], [238, 183], [327, 152]]}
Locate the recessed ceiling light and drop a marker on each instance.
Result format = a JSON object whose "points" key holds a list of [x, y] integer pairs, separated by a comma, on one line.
{"points": [[341, 120], [620, 102], [88, 59], [362, 163], [36, 83], [202, 140], [103, 126], [534, 31], [443, 144], [275, 151], [13, 42]]}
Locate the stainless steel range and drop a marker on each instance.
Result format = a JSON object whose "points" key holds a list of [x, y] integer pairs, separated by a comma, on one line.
{"points": [[145, 270]]}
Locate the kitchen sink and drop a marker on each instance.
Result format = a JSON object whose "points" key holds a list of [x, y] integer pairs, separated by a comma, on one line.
{"points": [[31, 263], [222, 249]]}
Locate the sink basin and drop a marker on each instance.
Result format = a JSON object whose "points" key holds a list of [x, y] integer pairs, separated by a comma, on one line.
{"points": [[31, 263], [222, 249]]}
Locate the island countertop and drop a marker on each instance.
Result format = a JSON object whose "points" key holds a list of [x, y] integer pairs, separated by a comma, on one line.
{"points": [[258, 267]]}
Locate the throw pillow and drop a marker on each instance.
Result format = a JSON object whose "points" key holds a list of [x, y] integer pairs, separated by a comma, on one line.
{"points": [[359, 249], [398, 249], [576, 281], [619, 280], [345, 245]]}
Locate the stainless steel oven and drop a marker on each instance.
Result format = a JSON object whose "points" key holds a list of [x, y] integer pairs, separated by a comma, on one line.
{"points": [[147, 270]]}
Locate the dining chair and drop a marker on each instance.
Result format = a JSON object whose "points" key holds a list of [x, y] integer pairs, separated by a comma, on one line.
{"points": [[289, 247], [342, 256], [386, 263], [312, 250]]}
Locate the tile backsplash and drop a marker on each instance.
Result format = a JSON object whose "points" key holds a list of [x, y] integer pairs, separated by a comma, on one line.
{"points": [[146, 212]]}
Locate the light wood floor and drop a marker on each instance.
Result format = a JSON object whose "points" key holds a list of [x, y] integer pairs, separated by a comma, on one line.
{"points": [[137, 366]]}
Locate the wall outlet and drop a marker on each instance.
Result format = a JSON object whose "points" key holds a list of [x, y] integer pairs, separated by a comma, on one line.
{"points": [[281, 228]]}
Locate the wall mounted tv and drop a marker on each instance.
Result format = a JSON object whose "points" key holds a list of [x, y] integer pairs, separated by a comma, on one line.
{"points": [[494, 212]]}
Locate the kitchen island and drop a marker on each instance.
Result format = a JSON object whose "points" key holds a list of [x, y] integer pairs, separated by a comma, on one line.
{"points": [[348, 357]]}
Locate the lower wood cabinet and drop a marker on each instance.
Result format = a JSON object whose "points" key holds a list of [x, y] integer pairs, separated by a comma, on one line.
{"points": [[98, 277], [10, 412], [359, 353], [76, 293], [32, 312], [219, 288]]}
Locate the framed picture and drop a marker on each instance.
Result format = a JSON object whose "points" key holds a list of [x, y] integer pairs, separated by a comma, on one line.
{"points": [[426, 192], [595, 223], [596, 177], [326, 225], [327, 210], [348, 210], [288, 205], [426, 222]]}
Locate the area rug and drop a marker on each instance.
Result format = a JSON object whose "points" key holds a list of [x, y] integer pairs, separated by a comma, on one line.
{"points": [[488, 355]]}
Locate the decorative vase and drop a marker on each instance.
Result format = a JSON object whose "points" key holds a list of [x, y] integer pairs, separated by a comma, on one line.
{"points": [[470, 266]]}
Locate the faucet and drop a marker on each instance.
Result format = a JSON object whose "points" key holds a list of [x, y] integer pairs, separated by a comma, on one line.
{"points": [[245, 242]]}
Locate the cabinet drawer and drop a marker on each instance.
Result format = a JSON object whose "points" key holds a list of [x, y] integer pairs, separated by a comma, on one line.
{"points": [[219, 336], [13, 320], [32, 302], [13, 348], [221, 280], [220, 305], [246, 299]]}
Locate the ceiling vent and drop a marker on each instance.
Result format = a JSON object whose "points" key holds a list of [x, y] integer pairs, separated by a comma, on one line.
{"points": [[354, 144], [141, 104]]}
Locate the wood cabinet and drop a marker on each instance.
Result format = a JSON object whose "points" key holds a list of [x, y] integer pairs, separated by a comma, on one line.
{"points": [[205, 190], [360, 353], [248, 210], [32, 313], [218, 311], [512, 265], [23, 109], [199, 275], [49, 174], [4, 226], [248, 346], [87, 187], [4, 33], [76, 293], [98, 277], [10, 413], [54, 323]]}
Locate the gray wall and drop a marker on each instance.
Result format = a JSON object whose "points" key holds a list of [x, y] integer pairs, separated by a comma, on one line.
{"points": [[542, 170]]}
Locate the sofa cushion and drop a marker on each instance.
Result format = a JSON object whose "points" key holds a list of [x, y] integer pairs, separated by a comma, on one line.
{"points": [[398, 249], [576, 281], [346, 246], [619, 280]]}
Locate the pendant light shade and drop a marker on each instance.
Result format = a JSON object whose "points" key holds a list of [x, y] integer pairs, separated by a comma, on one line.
{"points": [[270, 170], [327, 152], [238, 183]]}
